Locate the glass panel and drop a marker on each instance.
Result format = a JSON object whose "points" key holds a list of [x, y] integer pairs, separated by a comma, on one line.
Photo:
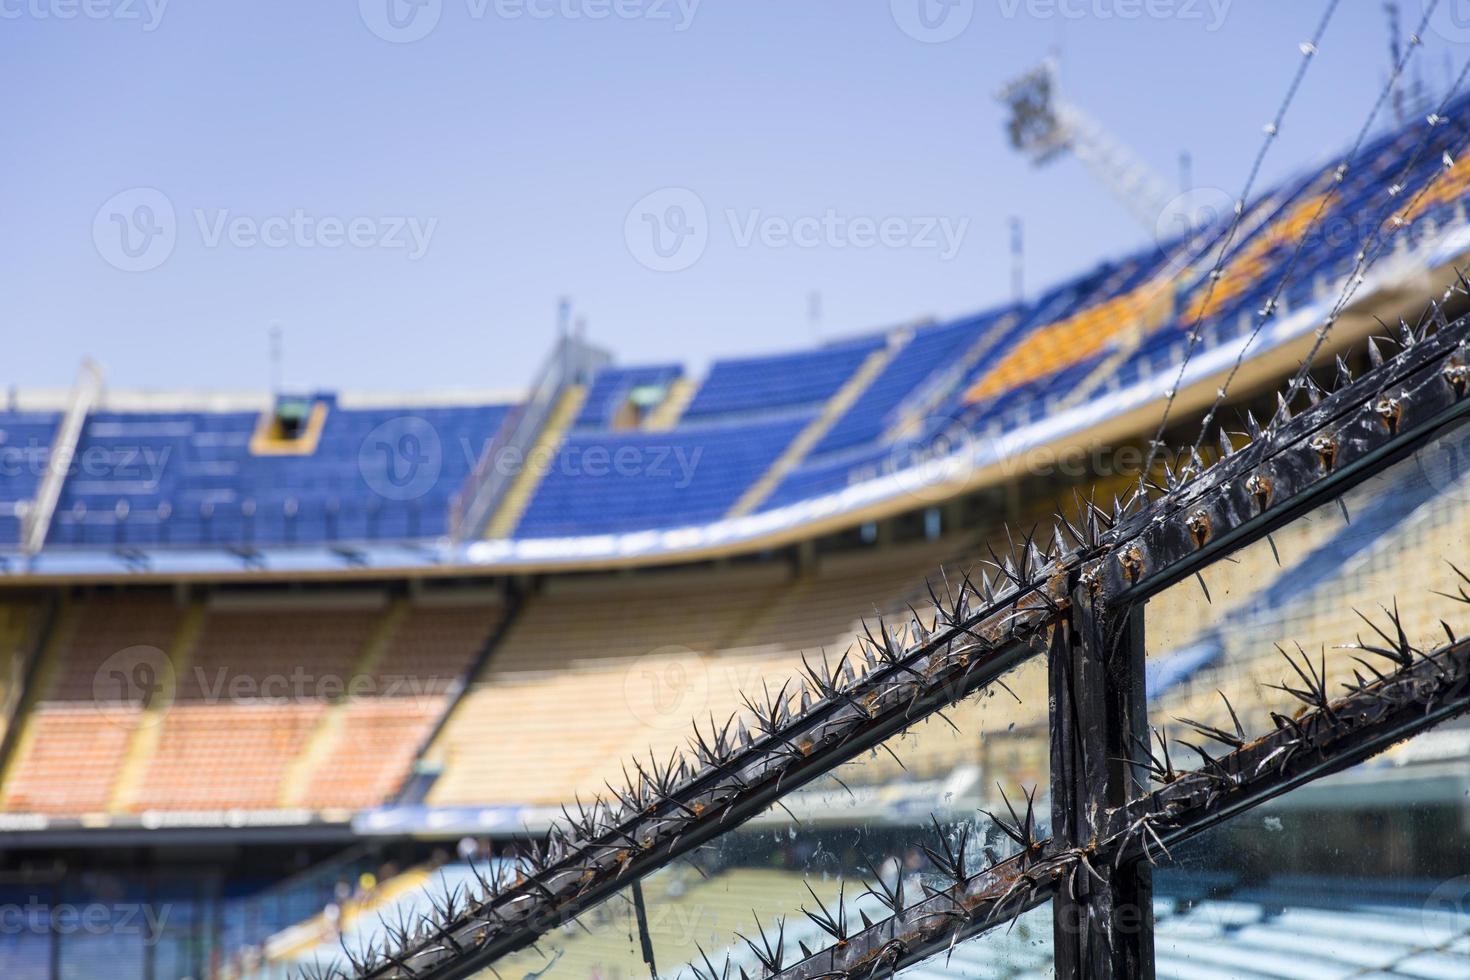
{"points": [[836, 838], [1020, 952], [1362, 874], [101, 929], [1390, 543]]}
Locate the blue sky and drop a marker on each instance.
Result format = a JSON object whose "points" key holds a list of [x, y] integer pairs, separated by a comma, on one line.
{"points": [[409, 208]]}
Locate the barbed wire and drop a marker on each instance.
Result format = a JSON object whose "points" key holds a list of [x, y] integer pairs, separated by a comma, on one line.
{"points": [[1273, 129], [1365, 261], [1268, 309]]}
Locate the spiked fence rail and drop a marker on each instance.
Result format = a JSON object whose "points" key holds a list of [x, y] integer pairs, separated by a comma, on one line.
{"points": [[1167, 529], [1333, 734]]}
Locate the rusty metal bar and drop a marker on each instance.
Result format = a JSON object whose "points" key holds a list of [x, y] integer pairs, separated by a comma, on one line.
{"points": [[1334, 736], [1158, 536]]}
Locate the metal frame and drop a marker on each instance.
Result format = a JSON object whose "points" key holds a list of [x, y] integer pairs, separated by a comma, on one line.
{"points": [[1078, 600]]}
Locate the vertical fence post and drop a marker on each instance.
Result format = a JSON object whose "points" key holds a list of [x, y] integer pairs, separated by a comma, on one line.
{"points": [[1102, 920]]}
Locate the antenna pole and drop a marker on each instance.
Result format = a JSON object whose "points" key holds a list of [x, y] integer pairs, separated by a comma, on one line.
{"points": [[1018, 260], [277, 357]]}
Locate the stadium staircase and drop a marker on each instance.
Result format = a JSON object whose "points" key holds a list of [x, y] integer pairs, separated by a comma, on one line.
{"points": [[84, 395], [330, 727], [522, 488], [36, 678], [22, 625], [1128, 341], [663, 418], [932, 397], [673, 646], [144, 742], [853, 389]]}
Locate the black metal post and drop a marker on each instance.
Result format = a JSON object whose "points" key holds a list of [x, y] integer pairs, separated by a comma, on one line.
{"points": [[1102, 919]]}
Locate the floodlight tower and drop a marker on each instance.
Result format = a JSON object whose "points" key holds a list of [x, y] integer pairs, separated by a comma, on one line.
{"points": [[1043, 126]]}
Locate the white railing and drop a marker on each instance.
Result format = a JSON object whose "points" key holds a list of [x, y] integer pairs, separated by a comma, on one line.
{"points": [[572, 361], [84, 395]]}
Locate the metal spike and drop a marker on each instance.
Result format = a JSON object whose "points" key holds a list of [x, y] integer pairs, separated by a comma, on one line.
{"points": [[1375, 356]]}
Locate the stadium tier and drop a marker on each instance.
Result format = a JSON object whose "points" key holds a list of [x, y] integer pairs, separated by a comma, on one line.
{"points": [[281, 665], [622, 463], [140, 704], [1210, 924]]}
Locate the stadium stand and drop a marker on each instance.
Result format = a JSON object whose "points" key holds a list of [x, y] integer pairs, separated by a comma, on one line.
{"points": [[200, 478], [679, 647], [227, 480], [75, 737], [295, 704], [25, 438], [354, 699], [631, 481], [609, 402], [756, 386]]}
